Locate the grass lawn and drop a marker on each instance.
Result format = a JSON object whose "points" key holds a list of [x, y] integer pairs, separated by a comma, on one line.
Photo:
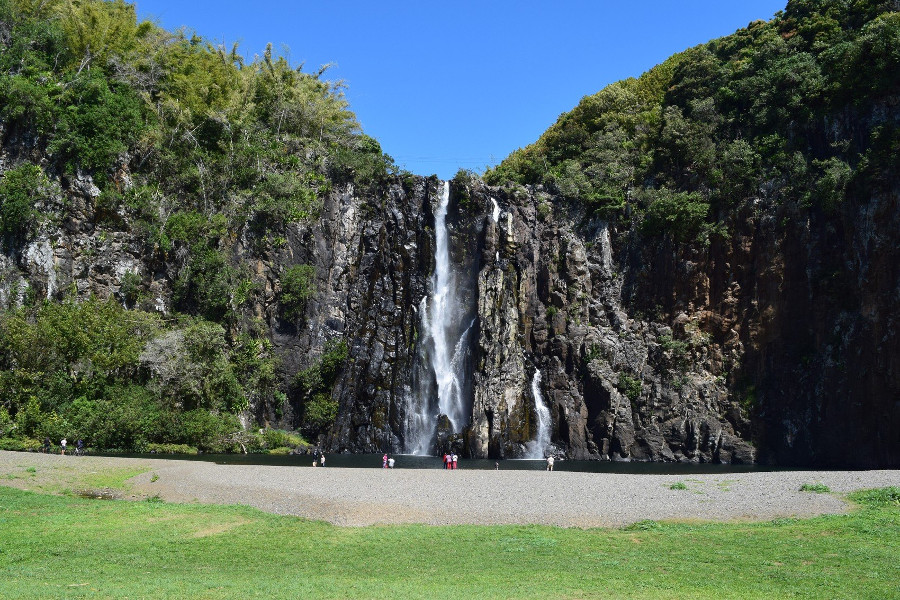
{"points": [[69, 547]]}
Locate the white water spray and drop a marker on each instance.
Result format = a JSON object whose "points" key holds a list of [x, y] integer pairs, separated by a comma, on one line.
{"points": [[441, 315], [495, 213], [537, 447]]}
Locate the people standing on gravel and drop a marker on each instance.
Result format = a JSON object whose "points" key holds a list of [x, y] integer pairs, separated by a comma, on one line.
{"points": [[550, 463], [391, 463], [446, 460], [62, 444], [384, 461], [454, 458], [322, 460]]}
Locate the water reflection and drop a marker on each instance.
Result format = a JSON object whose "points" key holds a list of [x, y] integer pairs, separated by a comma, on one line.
{"points": [[406, 461]]}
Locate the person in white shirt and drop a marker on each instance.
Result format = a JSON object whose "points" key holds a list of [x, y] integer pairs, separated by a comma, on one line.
{"points": [[550, 463], [391, 463]]}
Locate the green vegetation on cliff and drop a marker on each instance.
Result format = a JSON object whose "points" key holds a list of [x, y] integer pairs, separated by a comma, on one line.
{"points": [[126, 379], [797, 109], [193, 148]]}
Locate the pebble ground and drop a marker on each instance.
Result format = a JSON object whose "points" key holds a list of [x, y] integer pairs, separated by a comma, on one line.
{"points": [[359, 497]]}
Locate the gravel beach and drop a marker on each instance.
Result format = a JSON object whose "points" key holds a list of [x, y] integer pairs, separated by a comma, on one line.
{"points": [[358, 497]]}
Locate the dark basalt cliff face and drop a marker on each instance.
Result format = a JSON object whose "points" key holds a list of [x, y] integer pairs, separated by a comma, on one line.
{"points": [[619, 384], [779, 345]]}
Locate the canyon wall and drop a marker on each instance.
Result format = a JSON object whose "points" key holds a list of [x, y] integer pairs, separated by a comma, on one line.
{"points": [[777, 344]]}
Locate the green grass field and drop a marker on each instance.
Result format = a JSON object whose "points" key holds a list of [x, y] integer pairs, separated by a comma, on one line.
{"points": [[69, 547]]}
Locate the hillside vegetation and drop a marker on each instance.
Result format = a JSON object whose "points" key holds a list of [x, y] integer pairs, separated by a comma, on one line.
{"points": [[191, 147], [799, 110]]}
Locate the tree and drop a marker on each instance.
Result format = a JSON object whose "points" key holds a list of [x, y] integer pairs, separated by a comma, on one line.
{"points": [[21, 189], [297, 286]]}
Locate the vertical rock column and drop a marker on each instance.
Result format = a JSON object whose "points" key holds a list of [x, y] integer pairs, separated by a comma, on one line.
{"points": [[499, 412]]}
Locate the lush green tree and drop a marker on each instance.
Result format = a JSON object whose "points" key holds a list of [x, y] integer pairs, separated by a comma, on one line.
{"points": [[193, 149], [762, 109], [298, 284], [680, 214], [21, 188], [100, 122], [315, 385]]}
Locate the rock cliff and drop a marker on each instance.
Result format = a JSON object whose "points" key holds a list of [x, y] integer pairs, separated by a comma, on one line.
{"points": [[769, 346], [778, 345]]}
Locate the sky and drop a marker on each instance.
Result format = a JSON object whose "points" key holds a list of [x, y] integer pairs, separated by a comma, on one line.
{"points": [[449, 85]]}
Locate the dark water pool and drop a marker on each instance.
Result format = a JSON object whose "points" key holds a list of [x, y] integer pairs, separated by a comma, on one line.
{"points": [[406, 461]]}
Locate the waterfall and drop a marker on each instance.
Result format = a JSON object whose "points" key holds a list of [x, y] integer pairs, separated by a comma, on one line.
{"points": [[443, 346], [537, 446]]}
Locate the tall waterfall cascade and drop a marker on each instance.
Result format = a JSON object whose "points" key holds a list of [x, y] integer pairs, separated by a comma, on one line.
{"points": [[442, 348], [537, 447]]}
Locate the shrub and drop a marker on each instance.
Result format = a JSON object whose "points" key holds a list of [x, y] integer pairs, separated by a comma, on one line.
{"points": [[336, 352], [206, 430], [298, 284], [680, 213], [277, 438], [319, 413], [678, 485], [677, 351], [128, 418], [20, 190], [629, 386], [315, 384], [101, 121], [286, 197], [6, 423], [131, 287], [28, 102], [817, 488], [206, 284], [362, 161], [29, 419], [20, 444], [171, 449], [831, 186]]}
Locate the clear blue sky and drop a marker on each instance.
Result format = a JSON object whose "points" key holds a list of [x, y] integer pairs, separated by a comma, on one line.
{"points": [[450, 84]]}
